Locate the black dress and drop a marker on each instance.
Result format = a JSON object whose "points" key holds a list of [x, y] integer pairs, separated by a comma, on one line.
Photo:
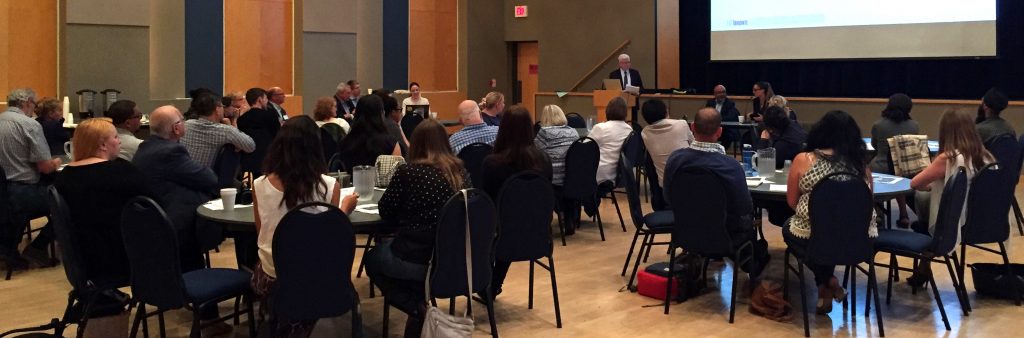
{"points": [[95, 202]]}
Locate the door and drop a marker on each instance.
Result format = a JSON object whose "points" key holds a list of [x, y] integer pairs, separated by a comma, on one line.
{"points": [[527, 69]]}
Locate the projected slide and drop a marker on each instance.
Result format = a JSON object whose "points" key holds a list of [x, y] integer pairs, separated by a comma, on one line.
{"points": [[834, 29]]}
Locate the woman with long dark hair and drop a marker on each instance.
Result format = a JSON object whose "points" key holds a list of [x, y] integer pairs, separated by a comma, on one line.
{"points": [[762, 93], [294, 174], [833, 145], [514, 152], [412, 204], [895, 121], [369, 136]]}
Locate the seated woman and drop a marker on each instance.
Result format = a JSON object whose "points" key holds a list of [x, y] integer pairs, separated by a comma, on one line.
{"points": [[95, 201], [327, 112], [554, 139], [492, 106], [959, 146], [294, 175], [412, 203], [48, 113], [895, 121], [514, 152], [414, 99], [834, 145], [787, 138], [369, 136]]}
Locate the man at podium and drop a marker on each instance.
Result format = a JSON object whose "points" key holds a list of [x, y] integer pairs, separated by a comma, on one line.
{"points": [[630, 80]]}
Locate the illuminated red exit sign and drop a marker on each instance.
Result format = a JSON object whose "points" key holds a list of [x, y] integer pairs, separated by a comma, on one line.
{"points": [[521, 12]]}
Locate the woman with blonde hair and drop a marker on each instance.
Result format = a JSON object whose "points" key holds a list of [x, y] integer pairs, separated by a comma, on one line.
{"points": [[491, 108], [326, 111], [554, 139], [959, 147], [412, 204], [95, 201]]}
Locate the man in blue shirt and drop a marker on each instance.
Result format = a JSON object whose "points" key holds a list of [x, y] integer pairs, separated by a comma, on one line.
{"points": [[474, 130], [705, 152]]}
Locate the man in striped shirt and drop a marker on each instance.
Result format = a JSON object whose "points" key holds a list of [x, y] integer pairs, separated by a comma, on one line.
{"points": [[474, 130], [207, 134]]}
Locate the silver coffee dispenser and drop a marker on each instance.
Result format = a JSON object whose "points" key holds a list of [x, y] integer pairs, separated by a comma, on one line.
{"points": [[86, 98], [109, 96]]}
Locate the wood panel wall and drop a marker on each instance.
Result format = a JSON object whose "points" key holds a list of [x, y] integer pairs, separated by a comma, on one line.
{"points": [[258, 44], [668, 43], [28, 57], [433, 44]]}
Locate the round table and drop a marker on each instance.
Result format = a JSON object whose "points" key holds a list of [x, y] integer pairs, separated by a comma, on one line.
{"points": [[882, 191], [243, 219]]}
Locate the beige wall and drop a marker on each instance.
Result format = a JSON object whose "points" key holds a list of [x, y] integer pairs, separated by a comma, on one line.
{"points": [[109, 12], [489, 59], [369, 48], [329, 16]]}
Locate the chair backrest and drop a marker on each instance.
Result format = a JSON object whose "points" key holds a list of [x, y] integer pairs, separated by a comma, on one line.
{"points": [[335, 164], [70, 252], [699, 206], [226, 166], [633, 147], [525, 205], [472, 157], [1007, 151], [636, 211], [988, 203], [840, 213], [581, 169], [409, 123], [947, 221], [328, 143], [575, 120], [152, 247], [336, 131], [448, 277], [313, 248], [657, 193]]}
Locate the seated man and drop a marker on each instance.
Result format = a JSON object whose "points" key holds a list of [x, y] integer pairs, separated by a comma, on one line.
{"points": [[706, 153], [127, 118], [24, 155], [474, 130], [180, 183], [726, 107], [261, 125], [207, 134], [989, 123], [663, 135]]}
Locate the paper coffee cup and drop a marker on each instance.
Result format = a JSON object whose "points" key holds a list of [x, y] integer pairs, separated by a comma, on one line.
{"points": [[742, 118], [227, 197], [433, 115]]}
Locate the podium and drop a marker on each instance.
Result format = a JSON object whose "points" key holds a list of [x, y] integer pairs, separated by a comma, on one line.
{"points": [[602, 97]]}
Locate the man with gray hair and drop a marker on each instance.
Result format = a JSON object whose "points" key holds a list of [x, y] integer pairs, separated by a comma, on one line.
{"points": [[276, 96], [24, 156], [341, 99], [628, 76], [474, 130]]}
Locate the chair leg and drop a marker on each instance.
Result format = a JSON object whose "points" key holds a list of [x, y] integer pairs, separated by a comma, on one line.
{"points": [[852, 299], [252, 315], [671, 272], [562, 223], [803, 296], [600, 225], [632, 245], [960, 267], [873, 282], [892, 278], [961, 291], [554, 292], [735, 285], [530, 299], [196, 329], [163, 327], [140, 315], [1009, 273], [615, 201], [362, 261], [145, 325], [1017, 214], [490, 314], [387, 313], [938, 302], [785, 276], [238, 302], [636, 263], [650, 245]]}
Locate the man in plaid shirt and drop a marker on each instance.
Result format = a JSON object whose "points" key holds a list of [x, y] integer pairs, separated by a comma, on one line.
{"points": [[207, 134]]}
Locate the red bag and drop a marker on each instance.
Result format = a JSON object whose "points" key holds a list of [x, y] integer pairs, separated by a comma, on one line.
{"points": [[652, 285]]}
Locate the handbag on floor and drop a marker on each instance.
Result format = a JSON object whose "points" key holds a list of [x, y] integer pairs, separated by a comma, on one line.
{"points": [[438, 323]]}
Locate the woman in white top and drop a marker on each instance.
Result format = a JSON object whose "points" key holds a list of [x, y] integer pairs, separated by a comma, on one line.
{"points": [[959, 146], [293, 170], [414, 98], [326, 111]]}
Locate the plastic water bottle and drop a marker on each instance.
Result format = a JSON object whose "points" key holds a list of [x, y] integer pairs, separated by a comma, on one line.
{"points": [[748, 165]]}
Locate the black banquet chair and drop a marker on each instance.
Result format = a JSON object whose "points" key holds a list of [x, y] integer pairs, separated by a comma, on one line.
{"points": [[309, 238], [151, 243], [840, 213], [1010, 155], [226, 166], [579, 184], [472, 157], [409, 123], [448, 265], [700, 225], [576, 121], [649, 225], [525, 204], [988, 203], [937, 248]]}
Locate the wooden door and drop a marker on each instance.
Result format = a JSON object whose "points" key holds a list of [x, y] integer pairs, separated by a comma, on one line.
{"points": [[527, 70]]}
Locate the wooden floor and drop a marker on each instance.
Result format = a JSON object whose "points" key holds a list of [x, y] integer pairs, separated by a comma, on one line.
{"points": [[592, 305]]}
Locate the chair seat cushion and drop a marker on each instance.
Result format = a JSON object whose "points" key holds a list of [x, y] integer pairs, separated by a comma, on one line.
{"points": [[897, 240], [660, 220], [208, 284]]}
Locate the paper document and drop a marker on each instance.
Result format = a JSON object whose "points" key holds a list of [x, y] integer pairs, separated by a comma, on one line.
{"points": [[217, 205], [888, 179], [754, 181], [632, 90], [777, 187]]}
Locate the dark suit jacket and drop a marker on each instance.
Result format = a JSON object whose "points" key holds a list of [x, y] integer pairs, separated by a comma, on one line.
{"points": [[262, 125], [729, 114], [180, 183], [279, 110], [344, 107], [634, 77]]}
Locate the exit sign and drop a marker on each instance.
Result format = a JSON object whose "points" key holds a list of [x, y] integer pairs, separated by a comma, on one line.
{"points": [[521, 12]]}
